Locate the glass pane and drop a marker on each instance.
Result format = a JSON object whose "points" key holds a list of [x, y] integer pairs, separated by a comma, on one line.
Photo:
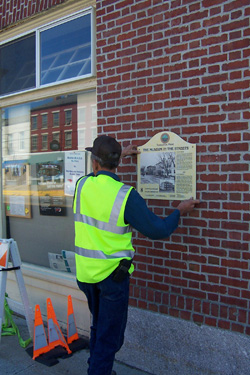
{"points": [[66, 50], [45, 142], [39, 184], [17, 65], [68, 117], [56, 119], [44, 121], [33, 122]]}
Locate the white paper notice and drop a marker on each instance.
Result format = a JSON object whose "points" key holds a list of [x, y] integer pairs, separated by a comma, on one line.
{"points": [[74, 169]]}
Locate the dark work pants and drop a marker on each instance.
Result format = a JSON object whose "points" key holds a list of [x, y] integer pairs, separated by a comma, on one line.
{"points": [[108, 304]]}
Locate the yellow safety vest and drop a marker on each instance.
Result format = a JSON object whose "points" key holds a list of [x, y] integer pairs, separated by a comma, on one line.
{"points": [[102, 238]]}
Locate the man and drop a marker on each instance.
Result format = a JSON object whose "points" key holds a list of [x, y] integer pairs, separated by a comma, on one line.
{"points": [[104, 212]]}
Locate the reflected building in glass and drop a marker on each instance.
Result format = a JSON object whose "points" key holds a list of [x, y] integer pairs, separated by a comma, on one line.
{"points": [[54, 121]]}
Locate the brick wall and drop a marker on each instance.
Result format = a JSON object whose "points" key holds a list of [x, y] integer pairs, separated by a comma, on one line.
{"points": [[14, 11], [183, 66]]}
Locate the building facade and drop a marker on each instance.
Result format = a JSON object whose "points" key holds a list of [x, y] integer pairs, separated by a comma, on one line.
{"points": [[180, 66], [183, 66]]}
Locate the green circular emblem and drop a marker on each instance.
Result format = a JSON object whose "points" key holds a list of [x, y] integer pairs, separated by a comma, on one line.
{"points": [[165, 138]]}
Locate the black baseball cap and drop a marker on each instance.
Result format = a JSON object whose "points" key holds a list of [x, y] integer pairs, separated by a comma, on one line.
{"points": [[106, 148]]}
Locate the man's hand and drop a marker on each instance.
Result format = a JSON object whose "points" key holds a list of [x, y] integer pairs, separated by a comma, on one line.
{"points": [[130, 150], [187, 206]]}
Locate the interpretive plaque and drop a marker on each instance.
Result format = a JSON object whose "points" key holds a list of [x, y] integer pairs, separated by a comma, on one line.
{"points": [[16, 188], [50, 184], [167, 168]]}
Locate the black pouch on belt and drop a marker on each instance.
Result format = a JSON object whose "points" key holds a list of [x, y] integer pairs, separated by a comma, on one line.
{"points": [[121, 271]]}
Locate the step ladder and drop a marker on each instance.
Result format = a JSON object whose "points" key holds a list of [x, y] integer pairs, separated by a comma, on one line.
{"points": [[9, 249]]}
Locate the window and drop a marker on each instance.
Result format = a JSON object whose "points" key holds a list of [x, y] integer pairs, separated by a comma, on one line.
{"points": [[94, 133], [22, 141], [17, 65], [10, 144], [68, 139], [33, 122], [66, 50], [34, 145], [93, 113], [45, 142], [47, 174], [56, 137], [55, 119], [68, 117], [55, 53], [81, 138], [82, 115], [44, 120]]}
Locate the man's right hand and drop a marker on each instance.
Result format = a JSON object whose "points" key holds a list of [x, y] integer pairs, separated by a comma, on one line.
{"points": [[130, 150], [187, 206]]}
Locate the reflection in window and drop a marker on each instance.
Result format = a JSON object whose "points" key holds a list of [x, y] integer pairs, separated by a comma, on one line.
{"points": [[81, 138], [17, 65], [66, 50], [93, 113], [55, 119], [94, 133], [22, 141], [34, 122], [42, 173], [44, 120], [56, 137], [68, 117], [59, 51], [34, 143], [10, 144], [68, 139], [82, 115], [45, 141]]}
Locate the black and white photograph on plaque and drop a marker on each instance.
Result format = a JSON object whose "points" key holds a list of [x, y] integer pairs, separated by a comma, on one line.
{"points": [[159, 168]]}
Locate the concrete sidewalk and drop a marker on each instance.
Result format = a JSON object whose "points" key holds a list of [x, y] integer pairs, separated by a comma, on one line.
{"points": [[16, 360], [158, 344], [163, 345]]}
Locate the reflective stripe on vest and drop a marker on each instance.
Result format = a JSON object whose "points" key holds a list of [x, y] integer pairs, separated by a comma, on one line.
{"points": [[99, 254], [110, 226]]}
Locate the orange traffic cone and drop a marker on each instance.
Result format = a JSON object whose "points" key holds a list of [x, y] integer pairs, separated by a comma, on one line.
{"points": [[4, 249], [40, 339], [72, 334], [55, 336]]}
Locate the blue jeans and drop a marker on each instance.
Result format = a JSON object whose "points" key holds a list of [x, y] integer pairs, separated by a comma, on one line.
{"points": [[108, 304]]}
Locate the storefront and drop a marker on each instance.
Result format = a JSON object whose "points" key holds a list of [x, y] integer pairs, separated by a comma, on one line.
{"points": [[48, 117]]}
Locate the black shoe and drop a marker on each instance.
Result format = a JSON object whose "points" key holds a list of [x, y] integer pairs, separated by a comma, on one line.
{"points": [[113, 372]]}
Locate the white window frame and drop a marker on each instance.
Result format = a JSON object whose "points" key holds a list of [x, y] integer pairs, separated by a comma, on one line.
{"points": [[45, 135], [56, 136], [66, 111], [45, 126], [22, 140], [53, 117], [35, 136], [34, 117], [81, 115], [81, 136], [93, 113], [10, 144], [38, 30], [67, 132]]}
